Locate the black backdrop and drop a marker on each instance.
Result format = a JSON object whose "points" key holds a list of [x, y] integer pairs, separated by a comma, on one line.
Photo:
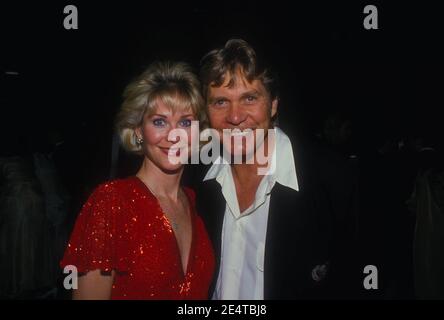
{"points": [[388, 80]]}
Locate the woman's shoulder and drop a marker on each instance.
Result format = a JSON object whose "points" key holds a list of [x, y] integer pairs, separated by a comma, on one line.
{"points": [[113, 190], [111, 199], [116, 185]]}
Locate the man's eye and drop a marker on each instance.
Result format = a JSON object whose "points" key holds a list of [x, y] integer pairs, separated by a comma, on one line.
{"points": [[251, 98], [185, 123], [220, 102], [159, 122]]}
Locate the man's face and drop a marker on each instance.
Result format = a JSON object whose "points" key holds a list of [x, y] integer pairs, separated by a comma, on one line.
{"points": [[241, 106]]}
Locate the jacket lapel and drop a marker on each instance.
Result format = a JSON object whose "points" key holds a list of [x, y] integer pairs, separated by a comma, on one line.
{"points": [[211, 207], [281, 202]]}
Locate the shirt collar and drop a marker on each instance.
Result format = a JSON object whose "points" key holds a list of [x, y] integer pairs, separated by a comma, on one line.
{"points": [[216, 169], [285, 166]]}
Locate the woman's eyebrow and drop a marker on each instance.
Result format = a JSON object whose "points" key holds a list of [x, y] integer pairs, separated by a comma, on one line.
{"points": [[157, 115]]}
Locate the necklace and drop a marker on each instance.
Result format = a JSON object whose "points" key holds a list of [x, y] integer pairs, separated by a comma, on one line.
{"points": [[174, 224]]}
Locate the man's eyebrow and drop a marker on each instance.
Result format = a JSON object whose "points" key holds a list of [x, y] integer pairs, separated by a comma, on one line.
{"points": [[252, 92], [212, 99]]}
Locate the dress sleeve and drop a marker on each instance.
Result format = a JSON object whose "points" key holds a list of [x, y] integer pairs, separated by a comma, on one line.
{"points": [[94, 242]]}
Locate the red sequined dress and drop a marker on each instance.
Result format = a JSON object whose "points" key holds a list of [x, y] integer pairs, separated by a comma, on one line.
{"points": [[122, 228]]}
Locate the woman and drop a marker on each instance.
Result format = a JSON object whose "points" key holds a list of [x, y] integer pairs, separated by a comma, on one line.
{"points": [[140, 237]]}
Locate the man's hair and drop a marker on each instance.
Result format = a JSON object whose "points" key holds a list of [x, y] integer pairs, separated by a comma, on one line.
{"points": [[236, 55]]}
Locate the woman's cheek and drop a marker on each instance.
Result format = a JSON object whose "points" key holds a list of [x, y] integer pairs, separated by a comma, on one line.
{"points": [[154, 135]]}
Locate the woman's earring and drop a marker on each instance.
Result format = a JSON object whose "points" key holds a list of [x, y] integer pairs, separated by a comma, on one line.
{"points": [[139, 140]]}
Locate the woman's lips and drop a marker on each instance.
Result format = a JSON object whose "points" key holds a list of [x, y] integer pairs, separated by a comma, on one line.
{"points": [[171, 151]]}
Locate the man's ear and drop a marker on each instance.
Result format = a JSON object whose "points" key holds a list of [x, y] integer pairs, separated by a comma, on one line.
{"points": [[274, 107]]}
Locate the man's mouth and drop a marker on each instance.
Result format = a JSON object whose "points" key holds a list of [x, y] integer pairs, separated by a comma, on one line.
{"points": [[241, 133]]}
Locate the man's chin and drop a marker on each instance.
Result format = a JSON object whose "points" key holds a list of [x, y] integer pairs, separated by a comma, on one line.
{"points": [[241, 156]]}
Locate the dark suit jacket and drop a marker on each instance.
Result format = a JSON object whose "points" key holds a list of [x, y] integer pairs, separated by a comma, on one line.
{"points": [[303, 226]]}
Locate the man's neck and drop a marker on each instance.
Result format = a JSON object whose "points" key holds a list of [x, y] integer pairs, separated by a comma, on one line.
{"points": [[245, 173]]}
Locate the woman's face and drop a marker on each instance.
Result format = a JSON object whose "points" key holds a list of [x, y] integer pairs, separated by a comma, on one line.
{"points": [[166, 135]]}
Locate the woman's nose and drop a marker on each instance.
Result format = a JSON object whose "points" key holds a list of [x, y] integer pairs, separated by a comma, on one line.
{"points": [[175, 135]]}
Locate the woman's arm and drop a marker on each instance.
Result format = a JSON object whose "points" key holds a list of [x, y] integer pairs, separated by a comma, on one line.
{"points": [[94, 285]]}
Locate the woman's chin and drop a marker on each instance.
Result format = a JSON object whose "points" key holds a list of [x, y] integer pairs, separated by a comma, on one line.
{"points": [[171, 168]]}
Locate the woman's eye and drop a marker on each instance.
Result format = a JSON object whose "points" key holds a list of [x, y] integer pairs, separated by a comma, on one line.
{"points": [[159, 122], [185, 123]]}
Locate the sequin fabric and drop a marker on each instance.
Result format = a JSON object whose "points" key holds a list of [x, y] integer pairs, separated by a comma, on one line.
{"points": [[122, 228]]}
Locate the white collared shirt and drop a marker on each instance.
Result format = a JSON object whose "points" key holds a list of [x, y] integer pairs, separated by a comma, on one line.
{"points": [[241, 273]]}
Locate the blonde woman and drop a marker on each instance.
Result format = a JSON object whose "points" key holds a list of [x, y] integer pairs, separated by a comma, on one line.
{"points": [[141, 237]]}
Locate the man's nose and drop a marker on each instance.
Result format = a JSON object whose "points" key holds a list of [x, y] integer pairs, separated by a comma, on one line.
{"points": [[236, 115]]}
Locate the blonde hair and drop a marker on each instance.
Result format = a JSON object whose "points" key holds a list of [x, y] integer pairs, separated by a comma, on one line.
{"points": [[172, 83]]}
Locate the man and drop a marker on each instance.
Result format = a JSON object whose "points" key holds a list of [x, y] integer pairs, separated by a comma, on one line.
{"points": [[273, 232]]}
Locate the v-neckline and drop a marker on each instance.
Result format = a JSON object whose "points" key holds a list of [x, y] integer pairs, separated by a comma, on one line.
{"points": [[186, 270]]}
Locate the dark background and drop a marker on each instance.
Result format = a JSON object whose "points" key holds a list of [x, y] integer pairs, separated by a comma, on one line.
{"points": [[387, 81]]}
